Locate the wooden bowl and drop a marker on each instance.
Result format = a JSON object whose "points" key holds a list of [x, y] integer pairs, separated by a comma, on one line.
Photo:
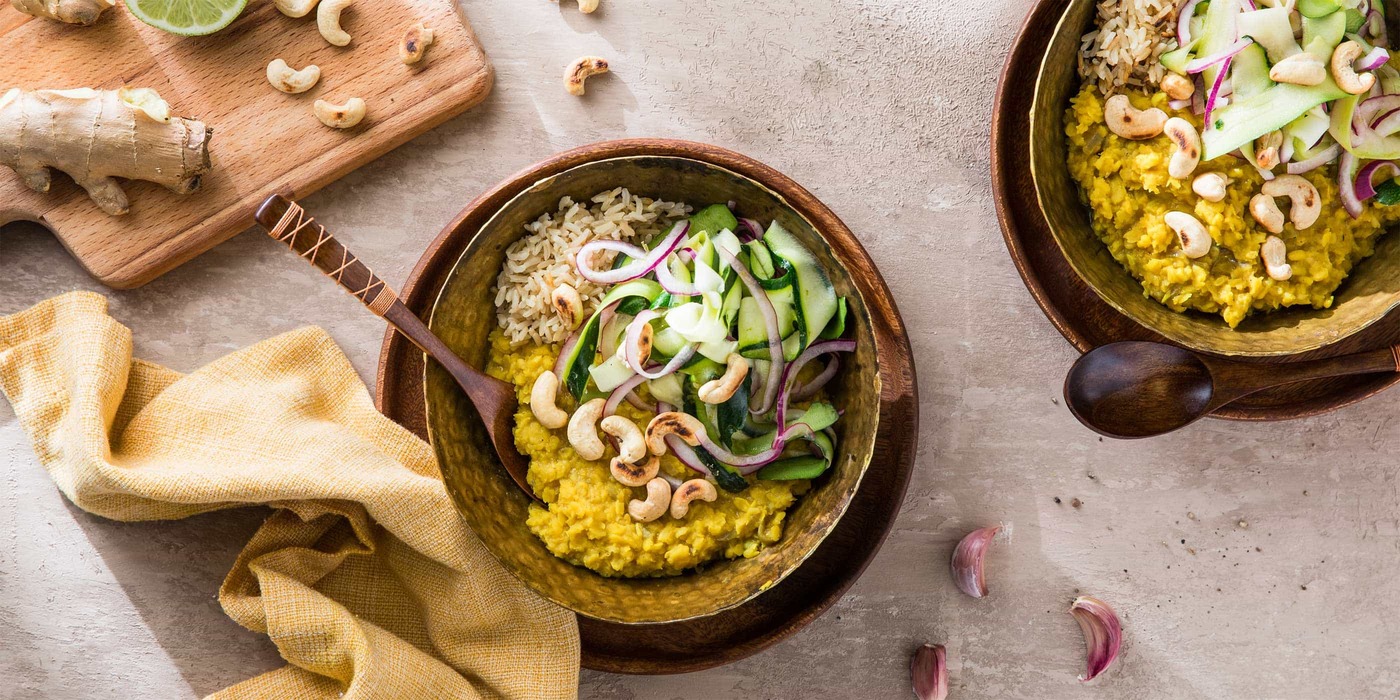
{"points": [[1368, 294], [464, 315], [780, 612], [1080, 314]]}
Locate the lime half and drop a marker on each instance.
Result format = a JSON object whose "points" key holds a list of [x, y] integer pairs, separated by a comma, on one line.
{"points": [[187, 17]]}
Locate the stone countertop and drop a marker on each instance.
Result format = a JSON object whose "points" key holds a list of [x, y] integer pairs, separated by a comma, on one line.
{"points": [[1247, 560]]}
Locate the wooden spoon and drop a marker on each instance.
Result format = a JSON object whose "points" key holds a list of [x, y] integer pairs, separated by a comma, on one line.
{"points": [[1138, 389], [494, 399]]}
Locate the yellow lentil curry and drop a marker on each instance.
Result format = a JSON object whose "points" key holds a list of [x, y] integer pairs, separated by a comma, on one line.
{"points": [[586, 522], [1126, 186]]}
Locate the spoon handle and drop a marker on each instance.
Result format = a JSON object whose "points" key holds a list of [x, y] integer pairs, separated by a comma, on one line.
{"points": [[288, 223], [1246, 379]]}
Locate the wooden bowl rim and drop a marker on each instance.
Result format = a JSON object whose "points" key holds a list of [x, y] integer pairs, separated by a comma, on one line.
{"points": [[899, 452], [845, 498], [1003, 122]]}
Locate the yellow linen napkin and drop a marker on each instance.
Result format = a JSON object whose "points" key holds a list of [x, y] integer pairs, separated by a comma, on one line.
{"points": [[366, 578]]}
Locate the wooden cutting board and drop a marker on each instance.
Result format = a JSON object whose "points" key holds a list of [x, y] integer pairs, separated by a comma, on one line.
{"points": [[264, 140]]}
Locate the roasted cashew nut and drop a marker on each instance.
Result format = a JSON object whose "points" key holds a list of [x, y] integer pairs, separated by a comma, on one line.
{"points": [[1343, 72], [635, 474], [1131, 123], [583, 434], [328, 21], [645, 339], [722, 389], [568, 305], [631, 446], [1299, 69], [1275, 256], [684, 426], [1178, 87], [295, 8], [1266, 150], [580, 70], [414, 44], [1307, 203], [291, 81], [1265, 211], [1190, 232], [1210, 186], [542, 397], [587, 6], [690, 491], [1186, 153], [340, 116], [658, 498]]}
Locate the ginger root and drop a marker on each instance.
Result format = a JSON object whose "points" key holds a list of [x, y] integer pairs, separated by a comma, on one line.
{"points": [[83, 12], [98, 135]]}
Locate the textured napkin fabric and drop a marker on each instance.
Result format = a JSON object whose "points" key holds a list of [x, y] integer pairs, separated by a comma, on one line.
{"points": [[365, 578]]}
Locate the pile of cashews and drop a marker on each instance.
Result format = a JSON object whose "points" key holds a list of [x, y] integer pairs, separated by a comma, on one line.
{"points": [[638, 459], [412, 47], [1128, 122]]}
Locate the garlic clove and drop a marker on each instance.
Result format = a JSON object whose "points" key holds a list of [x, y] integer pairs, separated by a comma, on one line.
{"points": [[1103, 635], [967, 561], [929, 669]]}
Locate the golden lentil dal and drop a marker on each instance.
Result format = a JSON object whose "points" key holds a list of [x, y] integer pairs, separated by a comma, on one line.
{"points": [[587, 523], [1127, 188]]}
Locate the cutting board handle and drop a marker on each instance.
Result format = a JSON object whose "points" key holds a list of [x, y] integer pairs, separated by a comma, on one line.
{"points": [[288, 223]]}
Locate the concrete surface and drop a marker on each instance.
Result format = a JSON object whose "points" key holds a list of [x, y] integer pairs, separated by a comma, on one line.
{"points": [[1246, 560]]}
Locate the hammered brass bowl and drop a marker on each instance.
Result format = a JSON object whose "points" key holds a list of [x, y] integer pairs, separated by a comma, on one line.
{"points": [[496, 509], [1367, 295]]}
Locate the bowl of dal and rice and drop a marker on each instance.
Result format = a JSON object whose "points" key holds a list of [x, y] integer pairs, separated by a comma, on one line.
{"points": [[1154, 122], [585, 546]]}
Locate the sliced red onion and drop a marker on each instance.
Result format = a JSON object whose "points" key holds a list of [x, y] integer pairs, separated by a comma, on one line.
{"points": [[748, 464], [683, 452], [1200, 64], [1365, 180], [673, 284], [631, 349], [643, 263], [607, 334], [1215, 91], [790, 372], [1376, 58], [1198, 103], [1325, 156], [1375, 28], [566, 351], [770, 322], [1285, 152], [624, 390], [749, 230], [1346, 184], [686, 455], [1179, 104], [605, 314], [1183, 22], [818, 381], [1387, 124]]}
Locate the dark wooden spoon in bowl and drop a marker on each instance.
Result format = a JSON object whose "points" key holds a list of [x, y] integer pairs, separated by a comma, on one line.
{"points": [[494, 399], [1138, 389]]}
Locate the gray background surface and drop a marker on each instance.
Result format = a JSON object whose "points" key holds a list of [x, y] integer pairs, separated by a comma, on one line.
{"points": [[1246, 560]]}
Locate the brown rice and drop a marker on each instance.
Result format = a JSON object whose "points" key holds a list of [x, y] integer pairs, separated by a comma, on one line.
{"points": [[544, 258], [1128, 38]]}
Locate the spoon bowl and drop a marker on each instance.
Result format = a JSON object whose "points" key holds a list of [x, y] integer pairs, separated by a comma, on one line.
{"points": [[1138, 389]]}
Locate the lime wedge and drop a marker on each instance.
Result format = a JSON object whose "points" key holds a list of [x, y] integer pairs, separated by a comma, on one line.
{"points": [[187, 17]]}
